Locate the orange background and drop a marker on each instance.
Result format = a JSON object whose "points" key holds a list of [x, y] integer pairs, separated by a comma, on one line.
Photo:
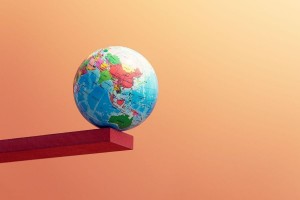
{"points": [[226, 126]]}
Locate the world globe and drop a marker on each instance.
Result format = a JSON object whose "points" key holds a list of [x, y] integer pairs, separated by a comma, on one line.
{"points": [[115, 87]]}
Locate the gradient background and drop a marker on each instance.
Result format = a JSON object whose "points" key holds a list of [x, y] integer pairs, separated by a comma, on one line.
{"points": [[226, 126]]}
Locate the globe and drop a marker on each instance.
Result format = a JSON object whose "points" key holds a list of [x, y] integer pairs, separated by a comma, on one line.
{"points": [[115, 87]]}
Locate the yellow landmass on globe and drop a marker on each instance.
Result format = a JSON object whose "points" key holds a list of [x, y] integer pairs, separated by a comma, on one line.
{"points": [[127, 68], [103, 66], [117, 88]]}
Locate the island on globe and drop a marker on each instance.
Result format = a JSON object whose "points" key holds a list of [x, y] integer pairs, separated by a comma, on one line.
{"points": [[115, 87]]}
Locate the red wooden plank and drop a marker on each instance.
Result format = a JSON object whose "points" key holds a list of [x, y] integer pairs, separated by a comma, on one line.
{"points": [[64, 144]]}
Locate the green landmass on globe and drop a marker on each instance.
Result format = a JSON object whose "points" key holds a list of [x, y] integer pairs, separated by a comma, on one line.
{"points": [[123, 121]]}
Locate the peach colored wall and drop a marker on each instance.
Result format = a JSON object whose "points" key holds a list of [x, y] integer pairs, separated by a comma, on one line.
{"points": [[226, 126]]}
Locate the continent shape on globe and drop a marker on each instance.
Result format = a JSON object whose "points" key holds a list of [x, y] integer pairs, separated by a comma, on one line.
{"points": [[115, 87]]}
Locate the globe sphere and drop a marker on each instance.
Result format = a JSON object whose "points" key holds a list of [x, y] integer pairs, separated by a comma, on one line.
{"points": [[115, 87]]}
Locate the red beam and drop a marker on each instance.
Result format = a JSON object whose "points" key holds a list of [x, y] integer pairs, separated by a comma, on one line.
{"points": [[64, 144]]}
